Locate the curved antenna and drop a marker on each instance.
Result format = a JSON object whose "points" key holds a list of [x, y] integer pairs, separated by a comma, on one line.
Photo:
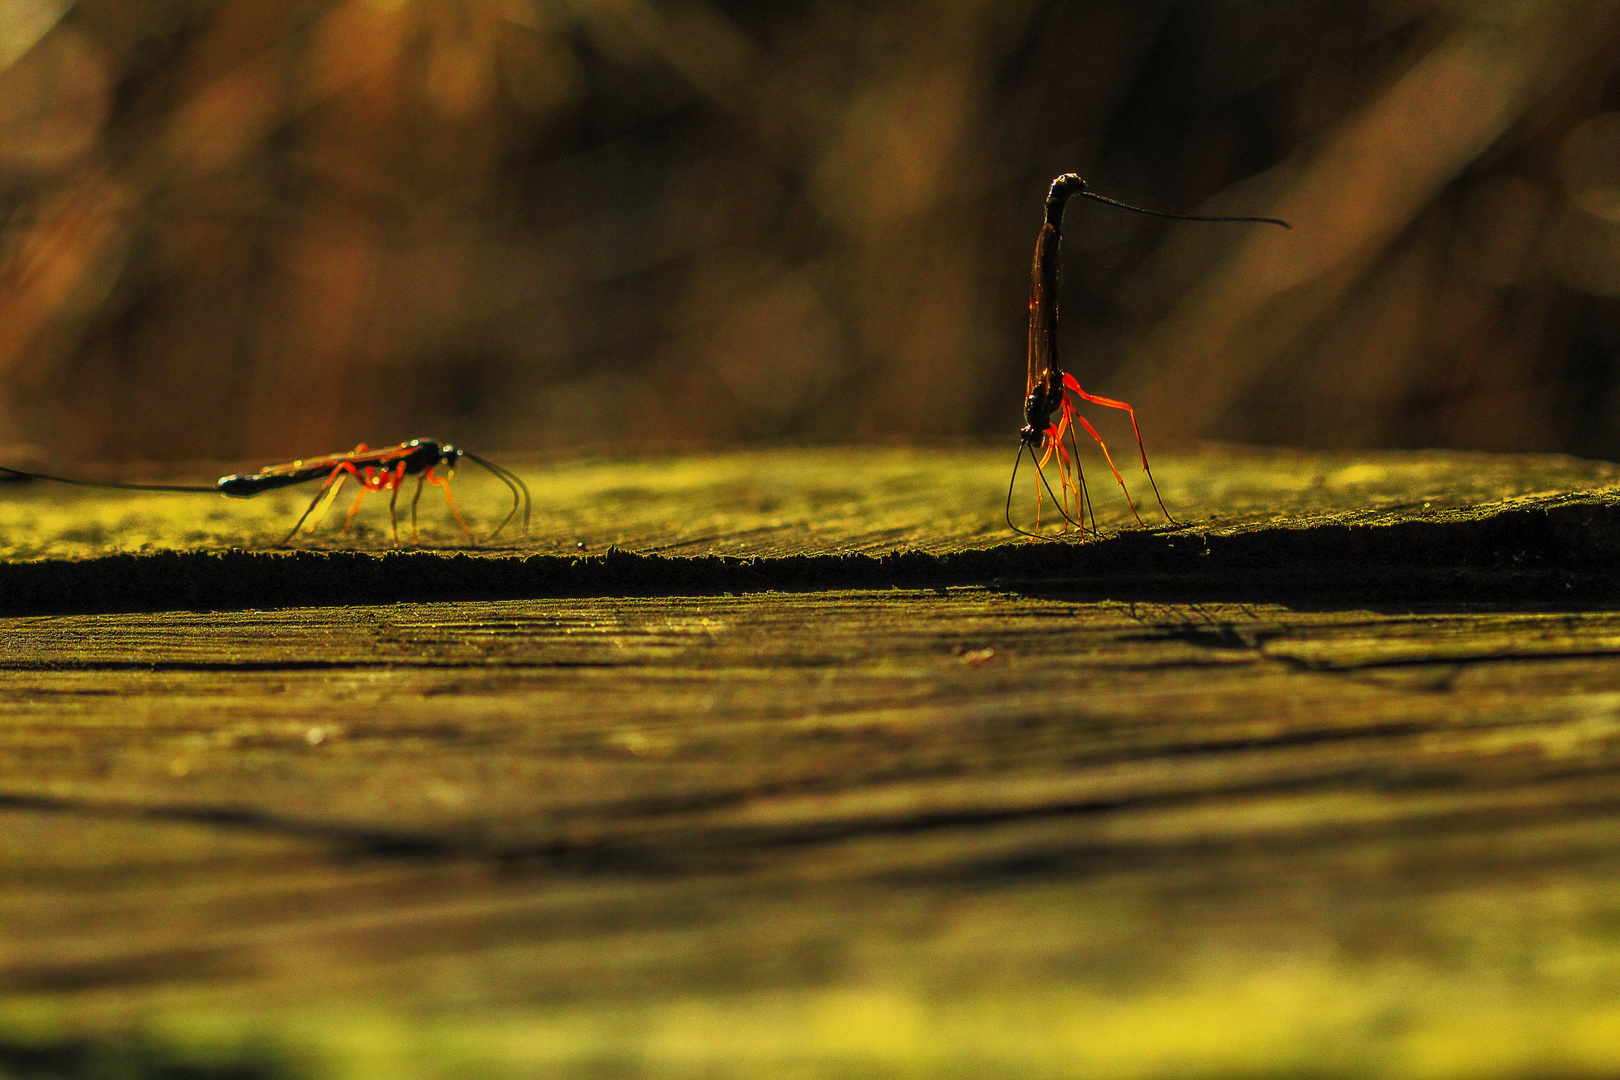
{"points": [[514, 484], [1017, 461], [1044, 483], [1062, 509], [1043, 279], [188, 489], [511, 478]]}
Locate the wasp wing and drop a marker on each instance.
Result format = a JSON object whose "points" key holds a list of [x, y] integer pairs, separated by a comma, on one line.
{"points": [[315, 466], [288, 473], [1043, 307]]}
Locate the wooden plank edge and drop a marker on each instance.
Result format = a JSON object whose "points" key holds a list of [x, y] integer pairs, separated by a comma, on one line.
{"points": [[1561, 549]]}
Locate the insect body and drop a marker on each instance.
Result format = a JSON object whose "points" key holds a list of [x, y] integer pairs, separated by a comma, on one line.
{"points": [[375, 470], [1049, 390]]}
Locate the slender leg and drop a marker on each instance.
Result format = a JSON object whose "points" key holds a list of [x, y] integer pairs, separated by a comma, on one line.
{"points": [[355, 509], [1070, 463], [337, 477], [393, 511], [451, 503], [1046, 485], [391, 481], [368, 482], [326, 503], [416, 499], [1073, 385], [1054, 446], [373, 480], [1068, 466], [1052, 440], [1040, 477], [1080, 498], [1109, 458], [1085, 495]]}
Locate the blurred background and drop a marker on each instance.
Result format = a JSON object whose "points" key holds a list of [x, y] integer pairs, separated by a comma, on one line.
{"points": [[238, 228]]}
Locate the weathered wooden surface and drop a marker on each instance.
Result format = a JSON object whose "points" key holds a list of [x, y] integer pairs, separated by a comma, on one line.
{"points": [[1252, 526], [792, 502], [994, 829]]}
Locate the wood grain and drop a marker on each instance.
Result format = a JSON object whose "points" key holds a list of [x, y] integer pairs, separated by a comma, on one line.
{"points": [[809, 501], [1005, 828], [1276, 526]]}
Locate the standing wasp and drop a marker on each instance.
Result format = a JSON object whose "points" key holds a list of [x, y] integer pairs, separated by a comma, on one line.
{"points": [[1048, 389]]}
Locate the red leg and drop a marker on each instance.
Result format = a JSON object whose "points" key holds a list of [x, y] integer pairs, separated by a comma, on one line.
{"points": [[451, 503], [1052, 438], [371, 481], [337, 477], [1043, 488], [1110, 459], [1054, 435], [393, 501], [388, 480], [1070, 479], [355, 509], [1070, 470], [1080, 498], [1040, 474], [310, 509], [1072, 384]]}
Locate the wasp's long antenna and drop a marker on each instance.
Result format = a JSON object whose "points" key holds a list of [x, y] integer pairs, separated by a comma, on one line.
{"points": [[1044, 483], [514, 484], [1071, 184], [1179, 217], [1017, 461]]}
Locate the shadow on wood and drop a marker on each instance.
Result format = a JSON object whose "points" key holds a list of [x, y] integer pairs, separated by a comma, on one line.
{"points": [[1078, 823]]}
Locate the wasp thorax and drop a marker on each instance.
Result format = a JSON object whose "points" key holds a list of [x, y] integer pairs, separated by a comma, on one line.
{"points": [[1039, 406]]}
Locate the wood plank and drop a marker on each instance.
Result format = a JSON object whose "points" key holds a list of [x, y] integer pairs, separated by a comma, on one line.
{"points": [[1291, 527], [579, 828], [1095, 817], [805, 501]]}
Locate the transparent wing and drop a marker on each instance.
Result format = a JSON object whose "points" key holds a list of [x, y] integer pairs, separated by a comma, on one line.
{"points": [[1043, 307], [361, 455]]}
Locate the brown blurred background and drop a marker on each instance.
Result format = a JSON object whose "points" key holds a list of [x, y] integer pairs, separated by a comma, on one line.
{"points": [[278, 227]]}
